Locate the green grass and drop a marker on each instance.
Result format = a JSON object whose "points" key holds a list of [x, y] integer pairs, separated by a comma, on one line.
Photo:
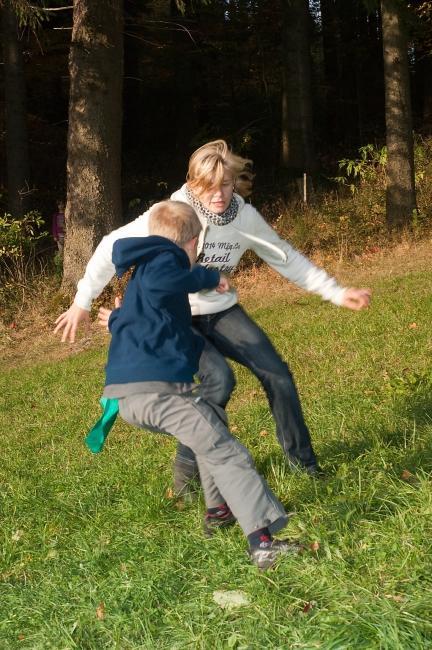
{"points": [[79, 530]]}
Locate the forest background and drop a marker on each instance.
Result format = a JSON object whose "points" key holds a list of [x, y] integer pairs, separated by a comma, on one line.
{"points": [[103, 102]]}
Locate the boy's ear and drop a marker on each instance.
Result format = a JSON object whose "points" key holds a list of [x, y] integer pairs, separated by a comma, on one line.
{"points": [[190, 248], [191, 243]]}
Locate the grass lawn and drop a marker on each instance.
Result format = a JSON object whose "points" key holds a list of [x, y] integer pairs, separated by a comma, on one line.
{"points": [[96, 554]]}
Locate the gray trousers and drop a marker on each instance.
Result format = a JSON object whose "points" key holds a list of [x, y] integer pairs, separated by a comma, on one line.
{"points": [[226, 467]]}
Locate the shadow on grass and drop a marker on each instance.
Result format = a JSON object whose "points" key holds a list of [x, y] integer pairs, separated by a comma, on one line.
{"points": [[408, 445], [363, 474], [404, 450]]}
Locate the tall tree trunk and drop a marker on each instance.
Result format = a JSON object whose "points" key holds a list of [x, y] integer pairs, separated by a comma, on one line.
{"points": [[18, 167], [401, 199], [94, 137], [297, 149]]}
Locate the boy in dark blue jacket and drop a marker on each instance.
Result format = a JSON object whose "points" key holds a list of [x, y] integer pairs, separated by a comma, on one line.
{"points": [[152, 360]]}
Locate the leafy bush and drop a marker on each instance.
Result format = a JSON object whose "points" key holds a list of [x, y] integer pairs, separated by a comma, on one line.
{"points": [[19, 236], [369, 167], [19, 261]]}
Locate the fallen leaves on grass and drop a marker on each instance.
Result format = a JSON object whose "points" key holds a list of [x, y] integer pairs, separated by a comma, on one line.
{"points": [[230, 599], [410, 478], [396, 597], [310, 604], [17, 535], [100, 611]]}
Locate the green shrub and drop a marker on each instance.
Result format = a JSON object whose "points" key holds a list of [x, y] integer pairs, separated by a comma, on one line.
{"points": [[18, 238], [368, 168], [19, 259]]}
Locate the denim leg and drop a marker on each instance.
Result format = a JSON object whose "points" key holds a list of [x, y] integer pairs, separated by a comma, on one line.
{"points": [[185, 471], [238, 337], [217, 383], [216, 377]]}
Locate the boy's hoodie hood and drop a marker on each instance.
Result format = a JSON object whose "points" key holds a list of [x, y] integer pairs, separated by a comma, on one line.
{"points": [[141, 250]]}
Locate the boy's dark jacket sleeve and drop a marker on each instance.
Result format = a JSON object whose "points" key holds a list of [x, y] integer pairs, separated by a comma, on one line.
{"points": [[167, 266], [168, 278]]}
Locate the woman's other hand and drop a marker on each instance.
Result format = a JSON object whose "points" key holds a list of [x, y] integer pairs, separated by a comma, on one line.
{"points": [[223, 285], [104, 313], [356, 299]]}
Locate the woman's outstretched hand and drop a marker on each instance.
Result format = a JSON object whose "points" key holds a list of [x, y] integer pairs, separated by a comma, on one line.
{"points": [[357, 299], [70, 320]]}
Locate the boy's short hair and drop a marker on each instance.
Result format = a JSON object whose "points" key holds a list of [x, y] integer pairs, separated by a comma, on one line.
{"points": [[209, 164], [174, 220]]}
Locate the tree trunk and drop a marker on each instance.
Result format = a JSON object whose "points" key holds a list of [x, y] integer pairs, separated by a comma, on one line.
{"points": [[332, 64], [18, 167], [424, 89], [427, 96], [401, 200], [187, 86], [297, 149], [94, 137]]}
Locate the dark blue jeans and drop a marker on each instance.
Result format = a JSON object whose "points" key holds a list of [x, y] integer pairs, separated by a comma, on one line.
{"points": [[234, 335]]}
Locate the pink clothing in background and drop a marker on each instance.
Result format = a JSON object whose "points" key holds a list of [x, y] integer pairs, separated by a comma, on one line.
{"points": [[58, 221]]}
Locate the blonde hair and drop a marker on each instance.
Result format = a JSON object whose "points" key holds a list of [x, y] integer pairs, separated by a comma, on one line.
{"points": [[209, 164], [244, 182], [174, 220]]}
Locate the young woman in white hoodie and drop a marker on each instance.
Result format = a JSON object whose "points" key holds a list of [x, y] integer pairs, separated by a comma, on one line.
{"points": [[230, 228]]}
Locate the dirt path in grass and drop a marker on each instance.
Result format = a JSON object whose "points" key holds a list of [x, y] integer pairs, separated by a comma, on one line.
{"points": [[31, 341]]}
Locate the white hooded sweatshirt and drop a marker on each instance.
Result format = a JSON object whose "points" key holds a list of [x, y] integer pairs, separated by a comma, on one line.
{"points": [[219, 247]]}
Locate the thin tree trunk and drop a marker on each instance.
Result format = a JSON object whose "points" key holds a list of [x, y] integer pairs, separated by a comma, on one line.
{"points": [[331, 45], [18, 167], [426, 103], [94, 137], [401, 199], [187, 85], [297, 149]]}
